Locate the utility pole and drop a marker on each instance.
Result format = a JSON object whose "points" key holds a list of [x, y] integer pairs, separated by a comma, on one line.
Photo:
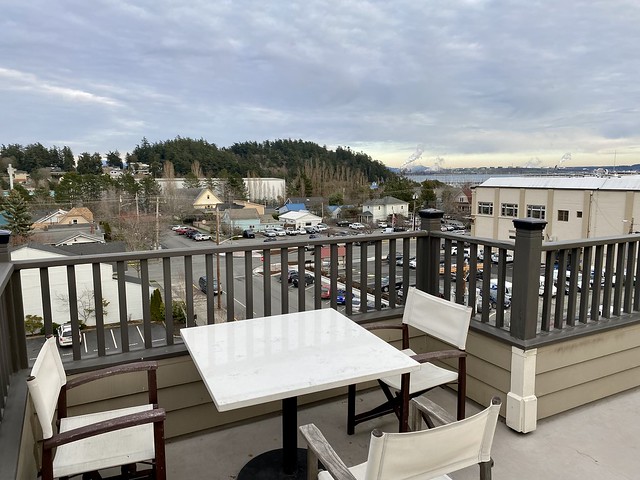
{"points": [[137, 207], [157, 223], [218, 256]]}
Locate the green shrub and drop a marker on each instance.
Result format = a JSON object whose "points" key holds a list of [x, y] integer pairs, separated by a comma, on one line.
{"points": [[156, 306], [33, 324]]}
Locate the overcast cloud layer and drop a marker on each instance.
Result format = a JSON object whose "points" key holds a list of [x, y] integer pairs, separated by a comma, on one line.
{"points": [[469, 82]]}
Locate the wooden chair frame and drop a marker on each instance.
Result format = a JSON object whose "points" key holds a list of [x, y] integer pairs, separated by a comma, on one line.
{"points": [[153, 415], [319, 449], [394, 400]]}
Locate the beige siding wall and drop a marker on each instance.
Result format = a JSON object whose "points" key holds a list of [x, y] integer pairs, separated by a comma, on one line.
{"points": [[569, 374], [580, 371]]}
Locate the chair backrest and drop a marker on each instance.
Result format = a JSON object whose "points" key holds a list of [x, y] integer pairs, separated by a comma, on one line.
{"points": [[433, 452], [447, 321], [46, 380]]}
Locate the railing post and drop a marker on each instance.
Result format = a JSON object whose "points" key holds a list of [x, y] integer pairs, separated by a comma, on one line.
{"points": [[428, 252], [15, 331], [526, 277]]}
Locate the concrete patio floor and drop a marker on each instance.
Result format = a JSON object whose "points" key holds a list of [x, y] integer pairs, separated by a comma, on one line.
{"points": [[597, 441]]}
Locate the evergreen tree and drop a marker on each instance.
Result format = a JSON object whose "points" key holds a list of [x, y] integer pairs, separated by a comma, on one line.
{"points": [[16, 211], [114, 160], [191, 181]]}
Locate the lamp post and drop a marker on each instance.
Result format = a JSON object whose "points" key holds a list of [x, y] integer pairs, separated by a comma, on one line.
{"points": [[415, 198]]}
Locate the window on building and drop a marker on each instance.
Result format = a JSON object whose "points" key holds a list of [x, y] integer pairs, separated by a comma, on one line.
{"points": [[536, 211], [579, 214], [485, 208], [563, 215], [509, 210]]}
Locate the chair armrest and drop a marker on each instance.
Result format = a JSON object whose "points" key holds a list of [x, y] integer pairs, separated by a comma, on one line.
{"points": [[384, 326], [421, 406], [439, 355], [156, 415], [110, 371], [325, 453]]}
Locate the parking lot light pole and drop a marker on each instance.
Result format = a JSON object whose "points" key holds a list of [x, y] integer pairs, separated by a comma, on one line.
{"points": [[415, 198]]}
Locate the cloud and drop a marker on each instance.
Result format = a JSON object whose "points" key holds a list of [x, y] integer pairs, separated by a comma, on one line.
{"points": [[529, 80]]}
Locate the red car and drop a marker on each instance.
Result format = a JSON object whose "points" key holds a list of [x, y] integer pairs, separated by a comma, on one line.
{"points": [[325, 294]]}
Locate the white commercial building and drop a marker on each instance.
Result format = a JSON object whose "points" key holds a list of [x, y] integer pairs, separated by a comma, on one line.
{"points": [[574, 207], [258, 189]]}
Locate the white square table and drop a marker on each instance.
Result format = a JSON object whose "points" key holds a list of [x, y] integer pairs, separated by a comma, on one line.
{"points": [[280, 357]]}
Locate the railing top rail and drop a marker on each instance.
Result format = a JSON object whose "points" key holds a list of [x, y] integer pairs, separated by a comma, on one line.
{"points": [[474, 240], [589, 242], [243, 246]]}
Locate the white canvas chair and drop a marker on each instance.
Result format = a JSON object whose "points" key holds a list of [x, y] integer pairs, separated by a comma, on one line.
{"points": [[421, 455], [438, 318], [95, 441]]}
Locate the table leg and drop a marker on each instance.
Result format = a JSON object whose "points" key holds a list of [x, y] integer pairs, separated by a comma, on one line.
{"points": [[404, 403], [286, 463], [290, 435]]}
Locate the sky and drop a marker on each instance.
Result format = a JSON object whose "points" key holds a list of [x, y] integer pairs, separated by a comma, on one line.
{"points": [[439, 83]]}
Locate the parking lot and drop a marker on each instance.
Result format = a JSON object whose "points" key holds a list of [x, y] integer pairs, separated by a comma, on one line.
{"points": [[89, 346]]}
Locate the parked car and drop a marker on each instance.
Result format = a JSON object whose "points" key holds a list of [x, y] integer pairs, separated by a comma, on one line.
{"points": [[356, 226], [202, 283], [65, 335], [321, 227], [412, 263], [496, 256], [384, 284], [341, 296], [248, 233], [182, 230], [311, 229], [191, 233], [291, 231], [176, 227], [270, 239], [269, 233], [325, 293], [343, 223], [389, 259], [290, 274], [466, 252], [199, 237], [280, 232], [308, 279]]}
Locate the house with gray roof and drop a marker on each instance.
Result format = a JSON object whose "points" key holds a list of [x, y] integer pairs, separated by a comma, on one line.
{"points": [[381, 209]]}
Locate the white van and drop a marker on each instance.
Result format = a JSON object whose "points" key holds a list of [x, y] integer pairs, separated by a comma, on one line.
{"points": [[507, 290], [554, 289]]}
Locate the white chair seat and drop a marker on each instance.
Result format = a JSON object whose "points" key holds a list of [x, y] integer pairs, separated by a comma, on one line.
{"points": [[429, 376], [359, 471], [121, 447]]}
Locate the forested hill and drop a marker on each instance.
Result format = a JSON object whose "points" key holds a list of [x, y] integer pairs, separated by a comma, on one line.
{"points": [[278, 158], [308, 168]]}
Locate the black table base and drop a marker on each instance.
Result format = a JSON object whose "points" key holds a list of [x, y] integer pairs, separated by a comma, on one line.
{"points": [[268, 466]]}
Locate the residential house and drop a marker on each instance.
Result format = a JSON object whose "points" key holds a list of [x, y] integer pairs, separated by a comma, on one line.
{"points": [[49, 219], [65, 234], [573, 207], [312, 204], [239, 219], [292, 207], [77, 216], [334, 211], [462, 201], [381, 209], [248, 204], [206, 200]]}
